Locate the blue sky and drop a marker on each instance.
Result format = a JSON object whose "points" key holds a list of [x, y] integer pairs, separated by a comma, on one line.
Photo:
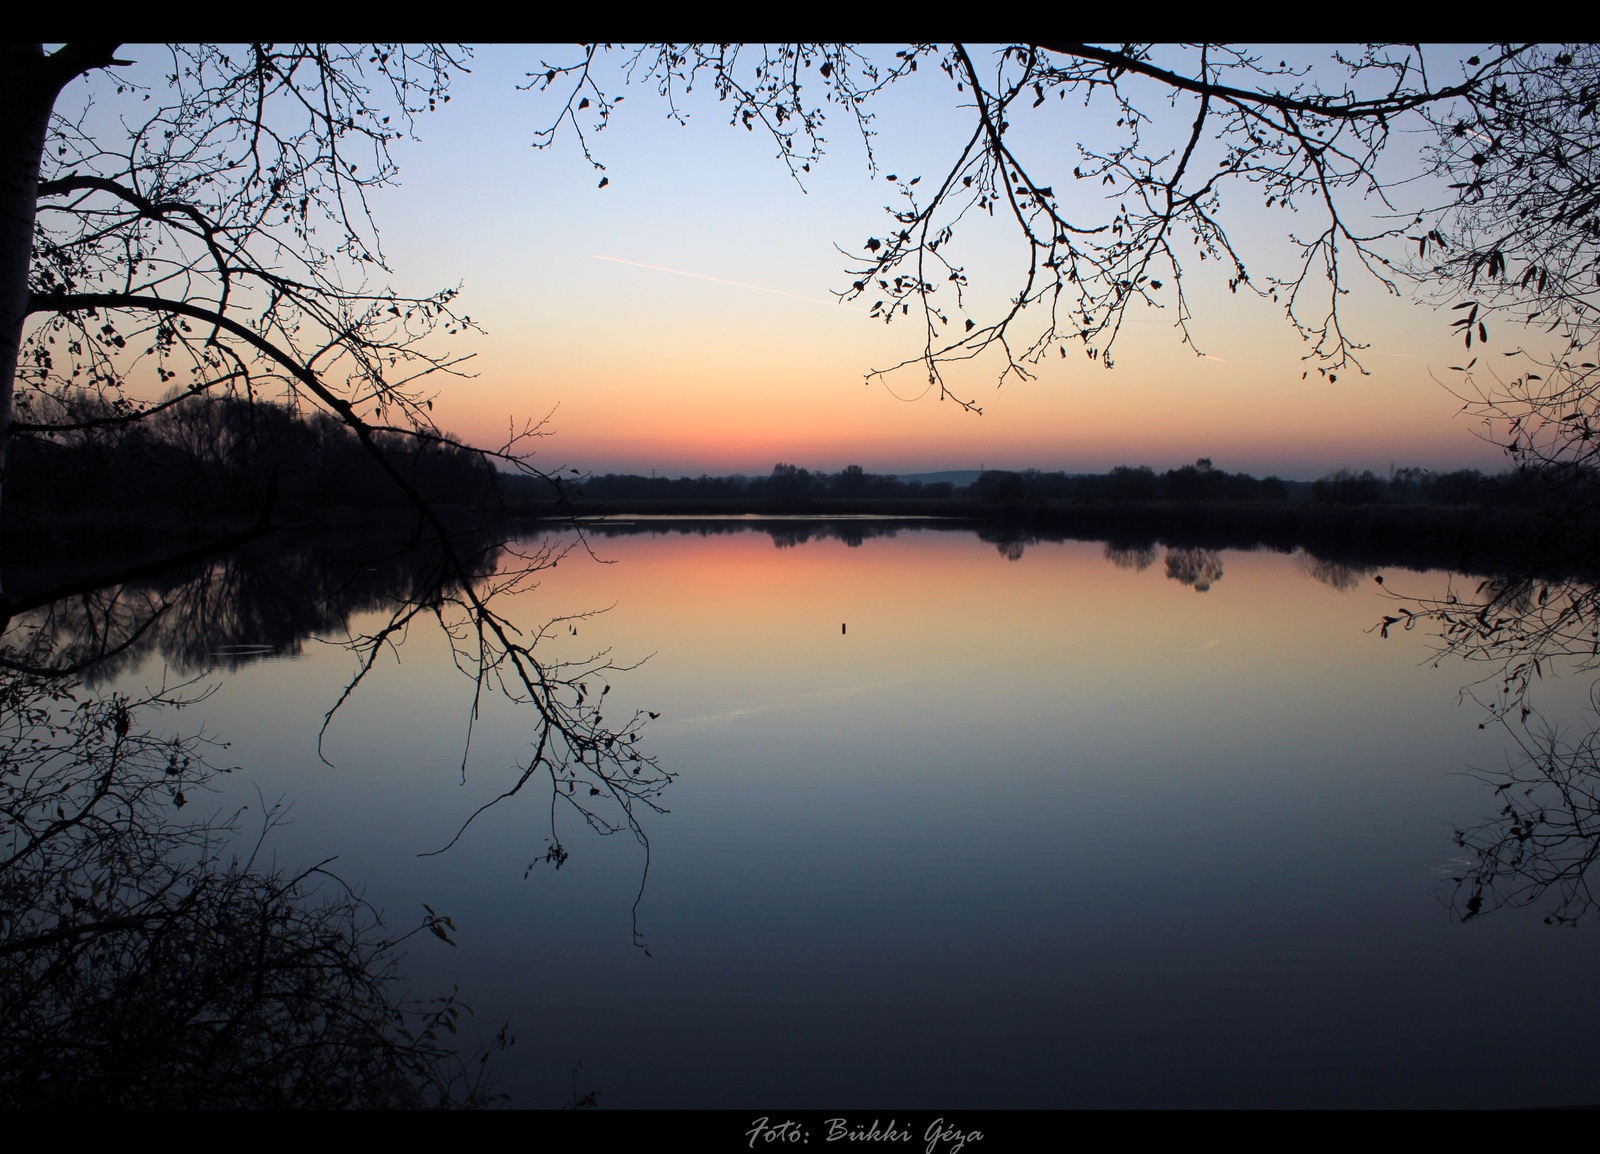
{"points": [[639, 368]]}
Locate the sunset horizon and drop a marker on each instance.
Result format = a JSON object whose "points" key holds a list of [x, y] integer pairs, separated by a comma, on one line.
{"points": [[836, 591], [679, 317]]}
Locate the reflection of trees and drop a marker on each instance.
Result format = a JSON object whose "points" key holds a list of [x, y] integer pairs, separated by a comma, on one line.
{"points": [[1547, 834], [217, 238], [1520, 626], [181, 243], [227, 611], [1539, 620], [1135, 557], [1338, 575], [140, 967], [194, 980], [852, 533], [786, 534], [1200, 568], [1010, 541]]}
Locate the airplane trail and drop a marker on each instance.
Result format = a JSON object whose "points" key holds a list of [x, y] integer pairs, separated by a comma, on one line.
{"points": [[736, 284]]}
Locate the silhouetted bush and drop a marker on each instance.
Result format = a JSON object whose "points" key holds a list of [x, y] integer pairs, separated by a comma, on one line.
{"points": [[214, 458]]}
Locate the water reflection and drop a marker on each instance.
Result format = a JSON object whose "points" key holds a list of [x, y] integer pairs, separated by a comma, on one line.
{"points": [[1169, 850], [225, 612], [1539, 848], [1520, 624], [144, 964], [1136, 557], [786, 532], [264, 600], [1525, 626], [1546, 837], [152, 957], [1340, 575], [1198, 568]]}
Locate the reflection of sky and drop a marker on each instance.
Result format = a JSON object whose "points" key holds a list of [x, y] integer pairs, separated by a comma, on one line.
{"points": [[1045, 832], [653, 370]]}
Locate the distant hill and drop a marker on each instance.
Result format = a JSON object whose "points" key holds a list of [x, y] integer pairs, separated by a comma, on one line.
{"points": [[956, 477]]}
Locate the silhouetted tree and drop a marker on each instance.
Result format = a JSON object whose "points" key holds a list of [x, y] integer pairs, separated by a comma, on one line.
{"points": [[1129, 484], [211, 235], [1346, 488], [183, 243], [1521, 244], [1241, 123]]}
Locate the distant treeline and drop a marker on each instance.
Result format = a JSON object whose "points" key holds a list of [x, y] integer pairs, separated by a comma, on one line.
{"points": [[1461, 487], [1200, 482], [213, 458], [1197, 482], [208, 458], [786, 481]]}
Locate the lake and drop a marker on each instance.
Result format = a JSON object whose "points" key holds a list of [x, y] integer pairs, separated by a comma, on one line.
{"points": [[956, 823]]}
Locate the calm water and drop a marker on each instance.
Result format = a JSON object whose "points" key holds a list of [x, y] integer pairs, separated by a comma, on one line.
{"points": [[1035, 829]]}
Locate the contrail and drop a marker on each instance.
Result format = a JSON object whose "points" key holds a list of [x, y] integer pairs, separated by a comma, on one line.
{"points": [[736, 284]]}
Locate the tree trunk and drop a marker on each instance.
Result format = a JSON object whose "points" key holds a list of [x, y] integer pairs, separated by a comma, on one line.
{"points": [[30, 81]]}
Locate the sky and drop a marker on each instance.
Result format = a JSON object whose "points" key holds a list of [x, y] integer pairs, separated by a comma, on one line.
{"points": [[640, 369]]}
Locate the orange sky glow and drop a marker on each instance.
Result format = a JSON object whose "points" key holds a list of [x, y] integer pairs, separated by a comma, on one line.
{"points": [[742, 363]]}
